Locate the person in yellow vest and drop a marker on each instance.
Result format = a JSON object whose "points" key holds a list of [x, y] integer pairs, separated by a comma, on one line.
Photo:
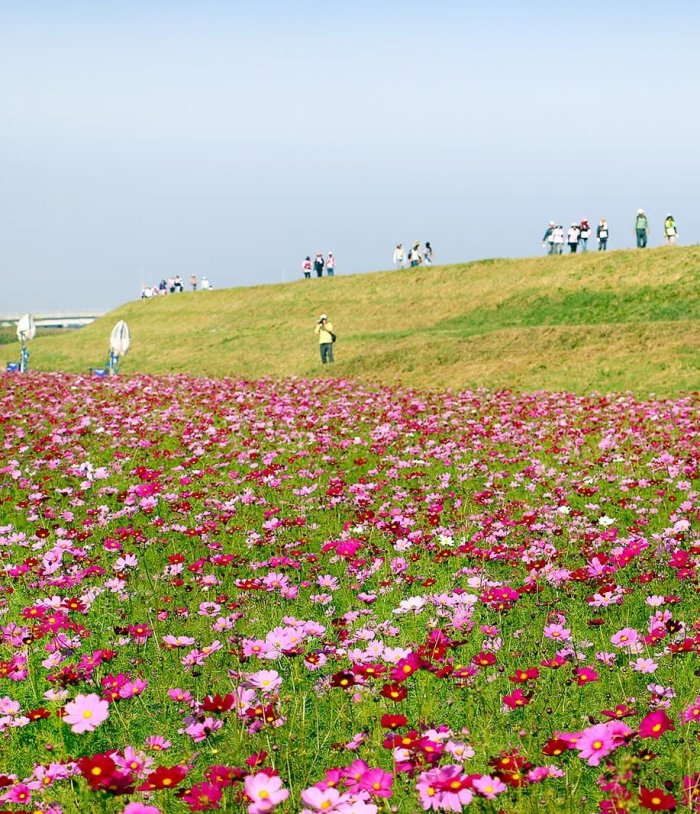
{"points": [[670, 229], [326, 338]]}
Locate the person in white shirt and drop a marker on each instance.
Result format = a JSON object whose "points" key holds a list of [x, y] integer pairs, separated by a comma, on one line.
{"points": [[399, 256]]}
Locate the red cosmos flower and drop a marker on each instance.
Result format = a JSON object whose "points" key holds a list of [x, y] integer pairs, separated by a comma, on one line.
{"points": [[72, 604], [521, 676], [555, 747], [553, 663], [407, 741], [508, 762], [584, 675], [256, 759], [484, 659], [218, 703], [393, 721], [621, 711], [517, 699], [343, 679], [405, 667], [96, 768], [394, 692], [655, 724], [38, 714], [369, 670], [656, 799], [164, 778], [224, 775]]}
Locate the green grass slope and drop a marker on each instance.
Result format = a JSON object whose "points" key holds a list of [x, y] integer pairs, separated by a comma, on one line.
{"points": [[624, 320]]}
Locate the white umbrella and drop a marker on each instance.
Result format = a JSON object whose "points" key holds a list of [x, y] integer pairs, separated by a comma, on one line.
{"points": [[26, 329], [120, 340]]}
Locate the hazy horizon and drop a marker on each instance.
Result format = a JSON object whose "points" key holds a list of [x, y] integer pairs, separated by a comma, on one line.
{"points": [[145, 139]]}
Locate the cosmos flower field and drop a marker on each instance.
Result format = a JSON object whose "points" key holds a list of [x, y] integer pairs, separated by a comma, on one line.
{"points": [[314, 596]]}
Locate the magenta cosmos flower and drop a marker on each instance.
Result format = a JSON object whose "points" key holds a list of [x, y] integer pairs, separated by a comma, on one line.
{"points": [[86, 713]]}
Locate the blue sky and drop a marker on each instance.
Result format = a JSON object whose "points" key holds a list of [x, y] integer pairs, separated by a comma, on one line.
{"points": [[144, 139]]}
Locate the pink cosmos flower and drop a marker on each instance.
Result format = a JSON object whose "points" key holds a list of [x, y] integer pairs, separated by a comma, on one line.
{"points": [[86, 713], [140, 808], [655, 724], [594, 743], [265, 792], [446, 788], [377, 782], [691, 713]]}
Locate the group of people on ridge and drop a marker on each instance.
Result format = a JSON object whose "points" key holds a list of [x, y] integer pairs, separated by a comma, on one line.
{"points": [[173, 285], [578, 233], [576, 236], [416, 256], [318, 265]]}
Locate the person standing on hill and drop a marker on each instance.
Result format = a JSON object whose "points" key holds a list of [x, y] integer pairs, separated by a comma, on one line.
{"points": [[193, 281], [306, 267], [414, 255], [670, 230], [399, 256], [584, 232], [428, 254], [326, 338], [602, 235], [548, 238], [641, 229], [558, 236], [330, 264], [572, 237], [318, 264]]}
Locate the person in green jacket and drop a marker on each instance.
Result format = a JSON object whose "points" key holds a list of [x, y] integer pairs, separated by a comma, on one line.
{"points": [[641, 228], [670, 229]]}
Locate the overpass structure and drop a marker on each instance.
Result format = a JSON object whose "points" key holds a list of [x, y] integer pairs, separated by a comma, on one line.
{"points": [[56, 319]]}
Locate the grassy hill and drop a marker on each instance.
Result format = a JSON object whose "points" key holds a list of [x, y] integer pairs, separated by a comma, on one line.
{"points": [[624, 320]]}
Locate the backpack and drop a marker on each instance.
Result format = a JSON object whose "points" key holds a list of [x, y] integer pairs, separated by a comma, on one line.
{"points": [[332, 336]]}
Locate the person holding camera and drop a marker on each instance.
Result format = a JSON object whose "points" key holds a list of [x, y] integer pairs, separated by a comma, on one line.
{"points": [[326, 338]]}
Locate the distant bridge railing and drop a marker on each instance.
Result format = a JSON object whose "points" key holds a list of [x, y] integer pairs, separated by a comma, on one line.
{"points": [[67, 319]]}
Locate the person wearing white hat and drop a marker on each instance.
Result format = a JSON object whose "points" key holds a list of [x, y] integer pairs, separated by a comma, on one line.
{"points": [[548, 239], [641, 229], [572, 237], [326, 338]]}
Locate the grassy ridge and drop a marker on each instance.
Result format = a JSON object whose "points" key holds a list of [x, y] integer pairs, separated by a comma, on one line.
{"points": [[626, 320]]}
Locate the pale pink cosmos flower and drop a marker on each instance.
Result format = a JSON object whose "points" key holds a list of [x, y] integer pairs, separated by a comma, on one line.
{"points": [[625, 637], [644, 665], [264, 792], [489, 786], [557, 632], [86, 713], [264, 680]]}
